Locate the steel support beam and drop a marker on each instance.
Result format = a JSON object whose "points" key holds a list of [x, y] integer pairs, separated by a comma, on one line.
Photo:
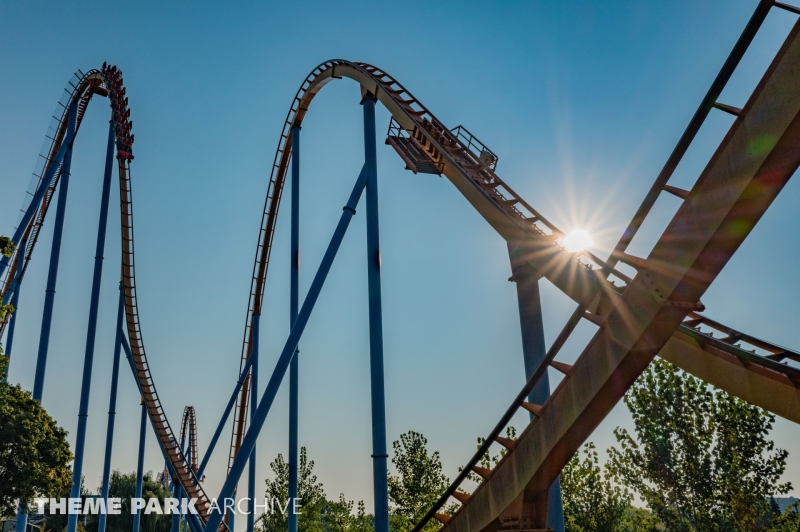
{"points": [[112, 402], [294, 369], [730, 196], [252, 489], [379, 454], [224, 418], [112, 411], [55, 253], [94, 306], [757, 385], [289, 348], [534, 352], [176, 490], [140, 464]]}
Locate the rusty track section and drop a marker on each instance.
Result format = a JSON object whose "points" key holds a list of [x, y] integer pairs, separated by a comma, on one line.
{"points": [[529, 232], [675, 328]]}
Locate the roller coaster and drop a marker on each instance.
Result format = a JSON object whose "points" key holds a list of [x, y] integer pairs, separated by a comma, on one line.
{"points": [[656, 311]]}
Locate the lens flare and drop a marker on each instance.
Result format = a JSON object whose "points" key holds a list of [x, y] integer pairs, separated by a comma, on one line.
{"points": [[576, 240]]}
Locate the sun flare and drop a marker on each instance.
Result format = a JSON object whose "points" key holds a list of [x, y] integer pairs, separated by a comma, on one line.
{"points": [[576, 240]]}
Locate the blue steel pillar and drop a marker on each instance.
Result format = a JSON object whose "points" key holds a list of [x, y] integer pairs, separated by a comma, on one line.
{"points": [[287, 353], [52, 274], [140, 464], [55, 252], [294, 367], [251, 479], [15, 302], [176, 492], [112, 403], [379, 455], [112, 407], [534, 351], [83, 412]]}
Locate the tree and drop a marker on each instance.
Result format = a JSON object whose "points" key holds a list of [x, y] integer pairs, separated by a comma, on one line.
{"points": [[58, 522], [34, 452], [701, 460], [309, 491], [339, 517], [123, 486], [418, 484], [591, 500], [488, 460], [7, 246]]}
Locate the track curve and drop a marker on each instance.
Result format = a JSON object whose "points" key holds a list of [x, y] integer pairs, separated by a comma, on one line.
{"points": [[578, 275], [189, 430], [107, 81]]}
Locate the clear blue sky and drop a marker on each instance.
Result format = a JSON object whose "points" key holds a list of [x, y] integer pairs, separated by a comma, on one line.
{"points": [[581, 101]]}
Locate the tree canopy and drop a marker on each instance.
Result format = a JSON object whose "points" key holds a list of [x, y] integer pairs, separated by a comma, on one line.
{"points": [[34, 452], [309, 491], [701, 459], [418, 484]]}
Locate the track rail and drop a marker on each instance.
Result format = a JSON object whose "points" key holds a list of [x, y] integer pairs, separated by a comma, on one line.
{"points": [[588, 280], [526, 229], [81, 87], [189, 430], [108, 82]]}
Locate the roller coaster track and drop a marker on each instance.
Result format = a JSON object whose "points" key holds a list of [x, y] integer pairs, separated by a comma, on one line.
{"points": [[657, 312], [108, 82], [663, 290], [189, 434], [75, 91]]}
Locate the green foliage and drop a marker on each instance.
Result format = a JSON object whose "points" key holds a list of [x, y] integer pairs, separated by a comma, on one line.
{"points": [[591, 500], [701, 460], [123, 485], [418, 485], [7, 246], [339, 517], [309, 491], [59, 521], [488, 460], [5, 310], [34, 452]]}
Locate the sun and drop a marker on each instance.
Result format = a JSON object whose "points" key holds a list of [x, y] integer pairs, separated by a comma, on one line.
{"points": [[576, 240]]}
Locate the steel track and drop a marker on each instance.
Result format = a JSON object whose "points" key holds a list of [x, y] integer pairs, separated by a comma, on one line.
{"points": [[579, 275]]}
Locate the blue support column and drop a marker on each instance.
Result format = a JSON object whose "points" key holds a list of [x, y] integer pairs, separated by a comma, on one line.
{"points": [[22, 520], [176, 493], [287, 353], [231, 520], [140, 464], [294, 369], [379, 455], [112, 407], [534, 351], [12, 325], [224, 418], [64, 156], [55, 252], [83, 412], [251, 480]]}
